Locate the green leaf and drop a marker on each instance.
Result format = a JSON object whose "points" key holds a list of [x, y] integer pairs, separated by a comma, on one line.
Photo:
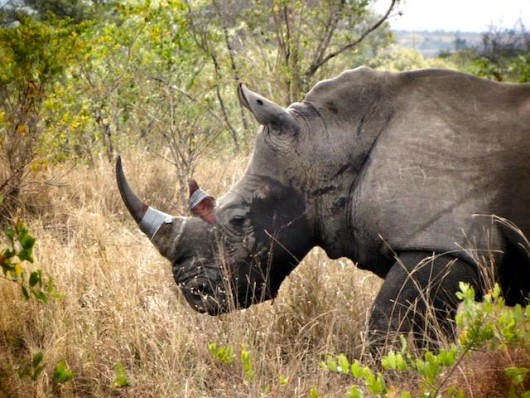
{"points": [[8, 254], [354, 392], [246, 360], [35, 369], [36, 372], [27, 241], [448, 357], [517, 375], [313, 393], [377, 385], [120, 377], [356, 369], [62, 373], [403, 341], [35, 278], [224, 354], [25, 292], [26, 255], [331, 364], [37, 359], [10, 235], [344, 364], [393, 361], [40, 295]]}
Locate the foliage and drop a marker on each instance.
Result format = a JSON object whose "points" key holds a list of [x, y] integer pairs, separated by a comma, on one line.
{"points": [[34, 55], [14, 260], [294, 39], [76, 10], [489, 325], [503, 55], [14, 263], [399, 59], [62, 373], [225, 354], [164, 73], [120, 376], [34, 368], [141, 78], [186, 58]]}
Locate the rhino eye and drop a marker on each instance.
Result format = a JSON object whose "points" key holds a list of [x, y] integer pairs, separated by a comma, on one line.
{"points": [[237, 221]]}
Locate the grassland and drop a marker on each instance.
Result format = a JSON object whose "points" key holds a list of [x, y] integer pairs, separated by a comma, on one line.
{"points": [[120, 305]]}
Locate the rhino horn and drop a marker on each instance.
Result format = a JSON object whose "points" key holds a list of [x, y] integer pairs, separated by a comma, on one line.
{"points": [[265, 111], [200, 203], [148, 218]]}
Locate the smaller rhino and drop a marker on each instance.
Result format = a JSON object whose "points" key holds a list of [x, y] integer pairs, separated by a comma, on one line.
{"points": [[406, 174]]}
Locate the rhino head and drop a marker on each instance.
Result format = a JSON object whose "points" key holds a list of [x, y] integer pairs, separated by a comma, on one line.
{"points": [[237, 250]]}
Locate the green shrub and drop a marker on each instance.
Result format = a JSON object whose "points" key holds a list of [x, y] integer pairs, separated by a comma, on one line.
{"points": [[486, 325], [14, 261]]}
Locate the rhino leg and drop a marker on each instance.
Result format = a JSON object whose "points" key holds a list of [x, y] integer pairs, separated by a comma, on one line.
{"points": [[418, 296]]}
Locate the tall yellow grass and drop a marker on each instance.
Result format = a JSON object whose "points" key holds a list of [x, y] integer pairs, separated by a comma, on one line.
{"points": [[120, 303]]}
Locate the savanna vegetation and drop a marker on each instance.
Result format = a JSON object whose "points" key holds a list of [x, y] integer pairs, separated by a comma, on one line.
{"points": [[89, 308]]}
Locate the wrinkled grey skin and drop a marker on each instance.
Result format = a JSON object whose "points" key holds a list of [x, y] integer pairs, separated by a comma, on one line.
{"points": [[385, 169]]}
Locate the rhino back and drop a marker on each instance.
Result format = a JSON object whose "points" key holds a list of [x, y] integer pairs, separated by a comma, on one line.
{"points": [[456, 151]]}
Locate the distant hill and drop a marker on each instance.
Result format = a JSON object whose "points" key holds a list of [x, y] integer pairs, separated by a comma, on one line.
{"points": [[431, 43]]}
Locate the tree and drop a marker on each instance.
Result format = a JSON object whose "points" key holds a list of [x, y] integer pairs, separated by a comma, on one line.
{"points": [[165, 73], [294, 38], [503, 55], [35, 54], [74, 10], [331, 29], [282, 47]]}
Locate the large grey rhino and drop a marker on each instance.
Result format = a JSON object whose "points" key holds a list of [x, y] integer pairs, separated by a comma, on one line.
{"points": [[386, 169]]}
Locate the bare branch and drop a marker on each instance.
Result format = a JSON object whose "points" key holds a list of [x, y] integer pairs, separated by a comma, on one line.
{"points": [[331, 26], [316, 65], [188, 96]]}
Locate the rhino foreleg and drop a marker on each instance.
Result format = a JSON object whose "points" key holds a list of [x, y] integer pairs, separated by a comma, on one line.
{"points": [[418, 297]]}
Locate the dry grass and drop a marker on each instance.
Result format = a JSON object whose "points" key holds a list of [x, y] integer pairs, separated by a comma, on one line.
{"points": [[482, 373], [120, 303]]}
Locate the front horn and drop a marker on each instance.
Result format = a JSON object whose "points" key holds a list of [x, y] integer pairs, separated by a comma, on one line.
{"points": [[148, 218]]}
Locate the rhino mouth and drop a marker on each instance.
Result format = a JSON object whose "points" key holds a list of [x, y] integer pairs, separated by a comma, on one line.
{"points": [[212, 290], [214, 299], [201, 286], [204, 298]]}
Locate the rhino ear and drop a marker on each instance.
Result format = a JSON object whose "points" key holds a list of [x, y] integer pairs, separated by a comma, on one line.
{"points": [[266, 112], [200, 203]]}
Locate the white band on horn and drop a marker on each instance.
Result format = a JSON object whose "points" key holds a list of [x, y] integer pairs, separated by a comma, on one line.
{"points": [[152, 220]]}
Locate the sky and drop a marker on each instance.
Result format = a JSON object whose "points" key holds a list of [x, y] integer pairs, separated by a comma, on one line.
{"points": [[458, 15]]}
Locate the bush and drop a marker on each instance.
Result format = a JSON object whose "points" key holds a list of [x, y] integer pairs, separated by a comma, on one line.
{"points": [[14, 262], [488, 325]]}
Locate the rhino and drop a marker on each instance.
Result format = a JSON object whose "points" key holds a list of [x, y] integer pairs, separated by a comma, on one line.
{"points": [[418, 177]]}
